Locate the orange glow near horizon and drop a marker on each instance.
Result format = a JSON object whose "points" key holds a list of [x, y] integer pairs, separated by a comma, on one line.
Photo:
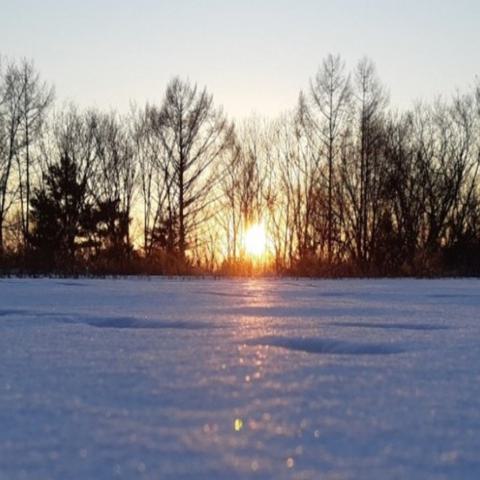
{"points": [[255, 242]]}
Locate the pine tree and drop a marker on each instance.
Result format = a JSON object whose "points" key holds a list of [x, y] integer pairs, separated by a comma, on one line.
{"points": [[61, 217]]}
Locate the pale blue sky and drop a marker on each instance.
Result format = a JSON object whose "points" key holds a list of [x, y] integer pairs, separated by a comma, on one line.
{"points": [[254, 56]]}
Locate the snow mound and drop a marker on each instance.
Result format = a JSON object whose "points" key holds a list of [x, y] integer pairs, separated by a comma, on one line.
{"points": [[139, 323], [391, 326], [8, 312], [328, 346]]}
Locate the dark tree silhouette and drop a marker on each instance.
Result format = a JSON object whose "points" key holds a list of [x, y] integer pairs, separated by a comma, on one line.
{"points": [[61, 216], [330, 101], [194, 135]]}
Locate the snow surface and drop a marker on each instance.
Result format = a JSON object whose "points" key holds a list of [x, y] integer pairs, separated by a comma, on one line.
{"points": [[239, 379]]}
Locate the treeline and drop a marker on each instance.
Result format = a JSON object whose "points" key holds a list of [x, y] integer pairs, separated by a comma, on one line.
{"points": [[344, 183]]}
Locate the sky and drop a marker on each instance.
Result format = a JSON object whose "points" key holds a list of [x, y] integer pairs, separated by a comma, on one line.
{"points": [[253, 56]]}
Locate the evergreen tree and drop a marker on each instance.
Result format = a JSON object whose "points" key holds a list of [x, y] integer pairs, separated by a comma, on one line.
{"points": [[61, 217]]}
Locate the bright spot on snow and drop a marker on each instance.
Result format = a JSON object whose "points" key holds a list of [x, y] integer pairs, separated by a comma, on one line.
{"points": [[290, 462], [238, 424], [256, 240]]}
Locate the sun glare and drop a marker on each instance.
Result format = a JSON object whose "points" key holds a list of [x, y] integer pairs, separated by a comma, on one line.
{"points": [[256, 240]]}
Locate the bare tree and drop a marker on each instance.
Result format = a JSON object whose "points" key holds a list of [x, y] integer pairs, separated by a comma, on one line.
{"points": [[369, 109], [448, 159], [194, 135], [242, 184], [330, 94], [291, 192], [146, 173], [11, 92], [115, 175], [36, 97], [402, 188]]}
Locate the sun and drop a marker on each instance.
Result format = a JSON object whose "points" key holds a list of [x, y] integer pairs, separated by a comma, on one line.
{"points": [[256, 240]]}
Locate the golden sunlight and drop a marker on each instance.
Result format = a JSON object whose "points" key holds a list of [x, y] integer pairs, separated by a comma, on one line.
{"points": [[256, 240]]}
